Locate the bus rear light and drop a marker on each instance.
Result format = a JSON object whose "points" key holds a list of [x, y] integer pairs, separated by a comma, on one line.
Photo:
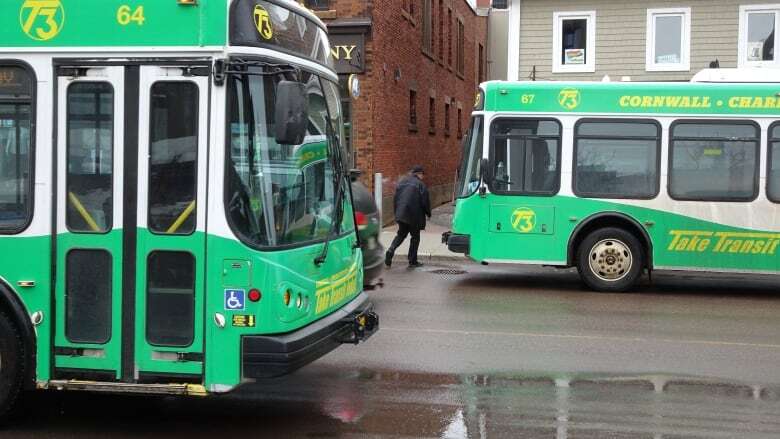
{"points": [[287, 298], [255, 295], [361, 219]]}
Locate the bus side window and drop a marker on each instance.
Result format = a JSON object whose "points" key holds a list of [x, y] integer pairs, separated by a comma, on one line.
{"points": [[773, 179], [16, 148], [525, 156]]}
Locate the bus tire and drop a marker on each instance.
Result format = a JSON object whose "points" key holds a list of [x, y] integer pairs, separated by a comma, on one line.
{"points": [[610, 260], [12, 364]]}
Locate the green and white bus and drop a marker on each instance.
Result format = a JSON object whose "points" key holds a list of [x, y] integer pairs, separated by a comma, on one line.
{"points": [[174, 212], [622, 178]]}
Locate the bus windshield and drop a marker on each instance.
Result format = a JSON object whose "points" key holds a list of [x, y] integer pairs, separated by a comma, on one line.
{"points": [[279, 195]]}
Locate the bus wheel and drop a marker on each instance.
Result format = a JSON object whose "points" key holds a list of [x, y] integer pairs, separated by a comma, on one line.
{"points": [[610, 260], [12, 372]]}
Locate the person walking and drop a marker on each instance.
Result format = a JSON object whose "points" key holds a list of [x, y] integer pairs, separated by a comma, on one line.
{"points": [[412, 206]]}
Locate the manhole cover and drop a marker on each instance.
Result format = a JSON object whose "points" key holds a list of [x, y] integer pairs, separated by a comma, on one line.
{"points": [[449, 271]]}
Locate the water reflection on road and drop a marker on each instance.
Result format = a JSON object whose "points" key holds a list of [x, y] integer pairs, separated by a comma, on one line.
{"points": [[327, 402]]}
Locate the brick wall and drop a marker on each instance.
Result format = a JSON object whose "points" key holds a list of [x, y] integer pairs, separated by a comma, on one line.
{"points": [[397, 64]]}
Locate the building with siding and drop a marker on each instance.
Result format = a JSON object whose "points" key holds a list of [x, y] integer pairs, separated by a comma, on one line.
{"points": [[654, 40], [419, 63]]}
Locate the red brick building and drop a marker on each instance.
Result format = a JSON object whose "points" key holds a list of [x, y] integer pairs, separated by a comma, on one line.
{"points": [[419, 63]]}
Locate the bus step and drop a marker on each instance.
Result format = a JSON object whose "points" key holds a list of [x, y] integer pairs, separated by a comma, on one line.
{"points": [[146, 389]]}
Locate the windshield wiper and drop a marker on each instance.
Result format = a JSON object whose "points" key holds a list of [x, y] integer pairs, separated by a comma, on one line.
{"points": [[338, 169], [240, 66]]}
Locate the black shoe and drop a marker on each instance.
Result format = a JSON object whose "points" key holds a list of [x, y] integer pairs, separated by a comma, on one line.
{"points": [[389, 258], [415, 264]]}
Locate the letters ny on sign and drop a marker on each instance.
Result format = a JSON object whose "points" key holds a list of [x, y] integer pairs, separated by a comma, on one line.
{"points": [[347, 51]]}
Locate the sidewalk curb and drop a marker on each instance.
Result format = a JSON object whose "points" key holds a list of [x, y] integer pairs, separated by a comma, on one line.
{"points": [[433, 258]]}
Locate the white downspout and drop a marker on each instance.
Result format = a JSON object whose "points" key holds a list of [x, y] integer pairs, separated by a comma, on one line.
{"points": [[513, 44]]}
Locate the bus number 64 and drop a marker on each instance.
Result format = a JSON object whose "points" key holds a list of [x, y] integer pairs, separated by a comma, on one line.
{"points": [[125, 15]]}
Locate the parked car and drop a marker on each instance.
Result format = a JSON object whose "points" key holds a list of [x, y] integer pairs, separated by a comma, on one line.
{"points": [[369, 227]]}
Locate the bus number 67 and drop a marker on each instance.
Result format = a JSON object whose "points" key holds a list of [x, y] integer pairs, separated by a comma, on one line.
{"points": [[527, 99]]}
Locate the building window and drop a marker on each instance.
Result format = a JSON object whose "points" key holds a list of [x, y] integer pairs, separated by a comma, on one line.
{"points": [[617, 159], [460, 122], [318, 5], [714, 161], [432, 115], [757, 35], [481, 66], [446, 118], [500, 4], [461, 48], [427, 33], [668, 40], [412, 110], [450, 38], [574, 42], [441, 31]]}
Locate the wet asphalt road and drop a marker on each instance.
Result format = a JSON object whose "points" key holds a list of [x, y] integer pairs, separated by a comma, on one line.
{"points": [[496, 352]]}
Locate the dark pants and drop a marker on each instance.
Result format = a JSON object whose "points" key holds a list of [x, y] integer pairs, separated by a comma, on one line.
{"points": [[403, 230]]}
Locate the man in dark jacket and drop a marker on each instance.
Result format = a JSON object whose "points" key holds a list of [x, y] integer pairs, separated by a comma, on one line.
{"points": [[412, 205]]}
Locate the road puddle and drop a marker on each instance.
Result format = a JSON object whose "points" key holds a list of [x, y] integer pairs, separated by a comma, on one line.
{"points": [[325, 402]]}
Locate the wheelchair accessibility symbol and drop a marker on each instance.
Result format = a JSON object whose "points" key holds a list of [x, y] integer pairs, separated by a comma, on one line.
{"points": [[234, 300]]}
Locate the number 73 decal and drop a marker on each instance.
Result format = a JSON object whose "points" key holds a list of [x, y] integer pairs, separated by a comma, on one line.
{"points": [[42, 20]]}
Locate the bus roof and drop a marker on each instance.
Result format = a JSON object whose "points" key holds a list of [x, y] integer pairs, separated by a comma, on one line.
{"points": [[678, 98], [115, 25]]}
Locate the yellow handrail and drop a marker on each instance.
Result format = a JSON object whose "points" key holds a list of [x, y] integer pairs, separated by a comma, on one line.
{"points": [[83, 212], [183, 217]]}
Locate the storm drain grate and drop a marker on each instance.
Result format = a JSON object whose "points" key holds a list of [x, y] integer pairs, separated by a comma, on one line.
{"points": [[449, 271]]}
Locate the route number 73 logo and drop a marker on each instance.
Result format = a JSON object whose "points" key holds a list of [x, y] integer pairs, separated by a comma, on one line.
{"points": [[523, 220], [42, 20]]}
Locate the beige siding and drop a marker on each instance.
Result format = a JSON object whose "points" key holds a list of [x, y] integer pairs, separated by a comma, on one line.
{"points": [[621, 36]]}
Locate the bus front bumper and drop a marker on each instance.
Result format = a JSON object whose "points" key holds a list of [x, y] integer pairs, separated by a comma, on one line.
{"points": [[268, 356], [457, 243]]}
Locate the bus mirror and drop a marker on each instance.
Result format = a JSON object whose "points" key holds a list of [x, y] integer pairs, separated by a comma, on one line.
{"points": [[484, 175], [292, 113], [354, 174]]}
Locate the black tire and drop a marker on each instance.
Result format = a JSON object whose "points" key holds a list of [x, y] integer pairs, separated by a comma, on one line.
{"points": [[12, 364], [610, 260]]}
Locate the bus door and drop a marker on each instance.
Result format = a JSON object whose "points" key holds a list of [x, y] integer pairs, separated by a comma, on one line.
{"points": [[173, 139], [89, 219], [526, 174], [131, 191]]}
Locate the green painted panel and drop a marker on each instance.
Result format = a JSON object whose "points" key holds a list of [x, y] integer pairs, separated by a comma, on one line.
{"points": [[107, 356], [148, 356], [29, 259], [322, 290], [522, 219], [79, 23], [633, 98], [235, 273], [678, 241]]}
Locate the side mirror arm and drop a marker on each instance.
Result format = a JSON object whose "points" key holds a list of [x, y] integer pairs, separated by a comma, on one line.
{"points": [[484, 166]]}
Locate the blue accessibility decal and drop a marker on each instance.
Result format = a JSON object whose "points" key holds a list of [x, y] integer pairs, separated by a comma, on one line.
{"points": [[235, 300]]}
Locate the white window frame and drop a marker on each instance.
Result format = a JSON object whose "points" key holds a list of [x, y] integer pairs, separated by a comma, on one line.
{"points": [[590, 47], [685, 40], [744, 11]]}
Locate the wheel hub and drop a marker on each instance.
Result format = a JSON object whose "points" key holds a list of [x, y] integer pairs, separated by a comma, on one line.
{"points": [[610, 260]]}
